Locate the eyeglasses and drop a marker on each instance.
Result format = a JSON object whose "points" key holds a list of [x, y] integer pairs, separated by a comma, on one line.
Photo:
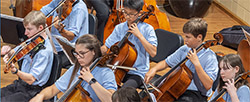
{"points": [[81, 55], [130, 15]]}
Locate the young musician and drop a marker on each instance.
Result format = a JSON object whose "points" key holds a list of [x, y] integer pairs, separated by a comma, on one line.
{"points": [[99, 83], [203, 64], [231, 67], [143, 37], [36, 65], [76, 23], [126, 94]]}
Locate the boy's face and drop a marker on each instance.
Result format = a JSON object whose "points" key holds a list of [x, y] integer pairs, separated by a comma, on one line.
{"points": [[130, 14], [31, 30], [191, 41]]}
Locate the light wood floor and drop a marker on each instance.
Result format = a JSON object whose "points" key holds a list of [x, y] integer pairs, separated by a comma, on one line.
{"points": [[216, 19]]}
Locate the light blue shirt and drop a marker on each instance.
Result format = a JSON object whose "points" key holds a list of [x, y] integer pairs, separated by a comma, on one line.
{"points": [[76, 22], [243, 94], [40, 65], [103, 75], [142, 61], [207, 60]]}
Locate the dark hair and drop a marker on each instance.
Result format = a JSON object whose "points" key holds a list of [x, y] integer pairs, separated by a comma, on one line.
{"points": [[196, 26], [126, 94], [92, 43], [133, 4], [232, 60]]}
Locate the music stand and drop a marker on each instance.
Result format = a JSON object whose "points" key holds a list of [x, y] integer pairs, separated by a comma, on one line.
{"points": [[12, 30]]}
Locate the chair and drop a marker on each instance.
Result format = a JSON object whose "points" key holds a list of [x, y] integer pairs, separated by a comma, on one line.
{"points": [[55, 71], [168, 43], [92, 24]]}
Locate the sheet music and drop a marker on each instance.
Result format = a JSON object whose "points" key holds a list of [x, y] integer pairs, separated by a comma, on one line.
{"points": [[66, 46]]}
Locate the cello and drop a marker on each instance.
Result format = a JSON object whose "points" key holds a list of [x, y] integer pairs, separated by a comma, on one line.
{"points": [[175, 82], [23, 7], [123, 53], [159, 20], [75, 92], [244, 50]]}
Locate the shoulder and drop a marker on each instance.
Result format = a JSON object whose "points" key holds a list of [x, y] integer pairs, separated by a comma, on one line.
{"points": [[243, 88], [146, 26]]}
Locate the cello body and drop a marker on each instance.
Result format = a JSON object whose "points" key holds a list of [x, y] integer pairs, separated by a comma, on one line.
{"points": [[78, 95], [126, 57], [174, 85], [23, 7], [158, 20], [243, 51]]}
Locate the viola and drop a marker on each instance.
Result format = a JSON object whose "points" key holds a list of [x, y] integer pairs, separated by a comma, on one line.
{"points": [[158, 20], [175, 82], [76, 93], [123, 53], [242, 76]]}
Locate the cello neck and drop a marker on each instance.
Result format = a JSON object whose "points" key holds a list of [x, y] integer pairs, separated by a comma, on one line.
{"points": [[79, 81], [125, 38], [176, 66], [236, 80]]}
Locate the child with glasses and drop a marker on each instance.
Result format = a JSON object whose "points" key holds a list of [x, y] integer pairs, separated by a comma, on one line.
{"points": [[99, 83], [143, 37]]}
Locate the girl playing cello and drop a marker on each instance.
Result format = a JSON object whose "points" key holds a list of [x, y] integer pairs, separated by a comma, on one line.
{"points": [[99, 83], [230, 67]]}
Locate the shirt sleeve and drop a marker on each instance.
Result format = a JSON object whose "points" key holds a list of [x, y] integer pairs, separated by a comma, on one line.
{"points": [[76, 20], [152, 38], [40, 64], [63, 82], [211, 66], [176, 57], [113, 37], [243, 93], [109, 80], [49, 7]]}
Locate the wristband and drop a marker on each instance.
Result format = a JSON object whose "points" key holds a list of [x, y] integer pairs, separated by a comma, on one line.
{"points": [[15, 71]]}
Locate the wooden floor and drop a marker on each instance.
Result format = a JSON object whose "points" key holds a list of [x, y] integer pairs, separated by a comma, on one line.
{"points": [[216, 19]]}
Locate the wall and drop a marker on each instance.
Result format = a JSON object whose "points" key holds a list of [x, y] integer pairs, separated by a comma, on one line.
{"points": [[239, 8]]}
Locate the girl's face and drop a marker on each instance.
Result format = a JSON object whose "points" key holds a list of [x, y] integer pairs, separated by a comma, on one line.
{"points": [[227, 71], [84, 55]]}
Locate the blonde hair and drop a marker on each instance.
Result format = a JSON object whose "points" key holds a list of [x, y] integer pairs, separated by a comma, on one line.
{"points": [[36, 18]]}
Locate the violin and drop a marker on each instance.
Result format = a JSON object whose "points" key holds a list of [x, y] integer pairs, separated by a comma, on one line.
{"points": [[66, 8], [123, 53], [242, 76], [76, 93], [175, 82], [26, 46]]}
